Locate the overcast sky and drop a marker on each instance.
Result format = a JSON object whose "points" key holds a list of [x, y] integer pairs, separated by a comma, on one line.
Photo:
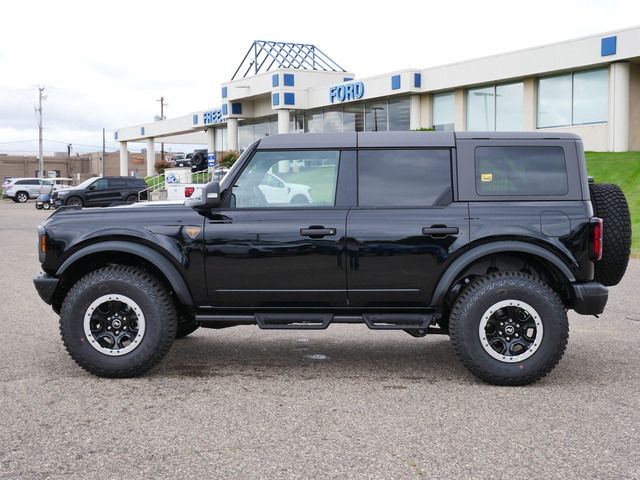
{"points": [[105, 65]]}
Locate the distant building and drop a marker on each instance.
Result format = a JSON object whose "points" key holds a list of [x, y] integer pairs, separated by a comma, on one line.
{"points": [[589, 86]]}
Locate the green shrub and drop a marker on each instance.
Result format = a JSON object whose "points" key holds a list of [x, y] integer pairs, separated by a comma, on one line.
{"points": [[227, 159], [160, 166]]}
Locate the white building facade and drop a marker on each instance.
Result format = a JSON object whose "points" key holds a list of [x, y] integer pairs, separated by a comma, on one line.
{"points": [[589, 86]]}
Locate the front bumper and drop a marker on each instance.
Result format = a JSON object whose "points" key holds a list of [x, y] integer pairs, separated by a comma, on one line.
{"points": [[46, 286], [589, 298]]}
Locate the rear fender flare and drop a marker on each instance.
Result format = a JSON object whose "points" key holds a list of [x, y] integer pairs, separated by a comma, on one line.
{"points": [[467, 258]]}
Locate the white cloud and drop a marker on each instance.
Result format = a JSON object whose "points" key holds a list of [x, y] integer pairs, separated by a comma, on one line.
{"points": [[106, 65]]}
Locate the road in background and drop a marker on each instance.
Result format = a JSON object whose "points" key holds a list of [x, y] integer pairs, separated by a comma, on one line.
{"points": [[343, 403]]}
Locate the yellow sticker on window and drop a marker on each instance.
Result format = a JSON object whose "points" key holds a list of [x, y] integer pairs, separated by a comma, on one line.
{"points": [[487, 177]]}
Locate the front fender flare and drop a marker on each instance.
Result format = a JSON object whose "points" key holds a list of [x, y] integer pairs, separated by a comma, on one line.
{"points": [[178, 283], [464, 260]]}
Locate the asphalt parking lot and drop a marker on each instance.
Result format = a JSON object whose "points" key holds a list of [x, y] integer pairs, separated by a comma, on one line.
{"points": [[344, 403]]}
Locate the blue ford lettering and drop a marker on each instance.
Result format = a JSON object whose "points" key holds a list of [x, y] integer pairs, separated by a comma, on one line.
{"points": [[349, 91]]}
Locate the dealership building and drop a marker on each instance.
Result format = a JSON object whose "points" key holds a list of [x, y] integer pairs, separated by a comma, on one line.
{"points": [[589, 86]]}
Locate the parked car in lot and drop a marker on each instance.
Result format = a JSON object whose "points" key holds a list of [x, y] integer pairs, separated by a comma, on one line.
{"points": [[102, 192], [22, 189], [181, 160]]}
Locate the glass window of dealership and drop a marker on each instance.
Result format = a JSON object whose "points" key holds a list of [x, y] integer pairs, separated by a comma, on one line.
{"points": [[391, 114], [577, 98]]}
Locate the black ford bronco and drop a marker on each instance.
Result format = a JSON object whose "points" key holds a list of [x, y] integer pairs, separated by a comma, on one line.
{"points": [[486, 237]]}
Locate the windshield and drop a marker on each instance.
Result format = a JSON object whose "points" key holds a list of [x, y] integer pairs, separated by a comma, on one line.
{"points": [[87, 182], [227, 178]]}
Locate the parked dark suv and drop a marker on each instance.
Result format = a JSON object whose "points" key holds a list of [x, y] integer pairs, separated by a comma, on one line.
{"points": [[489, 238], [102, 192]]}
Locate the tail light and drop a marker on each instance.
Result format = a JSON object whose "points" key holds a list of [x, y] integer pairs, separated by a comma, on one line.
{"points": [[188, 191], [596, 239]]}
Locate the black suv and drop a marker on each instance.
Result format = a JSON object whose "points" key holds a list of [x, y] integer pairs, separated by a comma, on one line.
{"points": [[102, 192], [486, 237]]}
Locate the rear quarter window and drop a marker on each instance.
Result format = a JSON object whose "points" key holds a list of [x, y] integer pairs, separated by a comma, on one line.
{"points": [[520, 171]]}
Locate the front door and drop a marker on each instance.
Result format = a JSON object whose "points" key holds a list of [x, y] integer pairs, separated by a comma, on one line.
{"points": [[262, 250]]}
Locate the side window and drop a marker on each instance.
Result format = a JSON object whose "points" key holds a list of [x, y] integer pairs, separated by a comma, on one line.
{"points": [[100, 184], [407, 178], [520, 171], [116, 183], [287, 179]]}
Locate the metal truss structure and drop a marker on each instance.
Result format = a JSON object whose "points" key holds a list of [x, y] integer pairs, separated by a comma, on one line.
{"points": [[263, 56]]}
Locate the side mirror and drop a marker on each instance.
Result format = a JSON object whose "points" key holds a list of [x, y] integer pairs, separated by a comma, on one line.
{"points": [[208, 198]]}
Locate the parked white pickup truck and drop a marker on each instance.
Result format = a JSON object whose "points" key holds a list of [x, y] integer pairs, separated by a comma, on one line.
{"points": [[273, 187]]}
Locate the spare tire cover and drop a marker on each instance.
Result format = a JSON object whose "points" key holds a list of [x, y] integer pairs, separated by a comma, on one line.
{"points": [[611, 206]]}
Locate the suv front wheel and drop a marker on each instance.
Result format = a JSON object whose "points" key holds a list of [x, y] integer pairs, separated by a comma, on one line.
{"points": [[509, 328], [118, 321]]}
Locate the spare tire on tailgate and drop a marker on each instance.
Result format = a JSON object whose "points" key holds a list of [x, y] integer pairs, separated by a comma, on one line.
{"points": [[199, 160], [611, 206]]}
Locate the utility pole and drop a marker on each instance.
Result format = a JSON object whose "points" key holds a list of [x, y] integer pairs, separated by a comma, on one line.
{"points": [[41, 97], [162, 105], [104, 146], [69, 167]]}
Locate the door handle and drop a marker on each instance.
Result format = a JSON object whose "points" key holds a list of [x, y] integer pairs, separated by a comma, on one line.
{"points": [[440, 231], [317, 232]]}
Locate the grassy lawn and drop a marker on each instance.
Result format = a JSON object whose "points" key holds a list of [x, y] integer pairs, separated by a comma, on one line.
{"points": [[622, 169]]}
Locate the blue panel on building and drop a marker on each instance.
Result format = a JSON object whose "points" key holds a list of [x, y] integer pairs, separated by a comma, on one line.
{"points": [[225, 109], [417, 80], [289, 98], [224, 92], [288, 80], [141, 130], [195, 119], [608, 46], [236, 108], [115, 135], [395, 82], [275, 80], [275, 99]]}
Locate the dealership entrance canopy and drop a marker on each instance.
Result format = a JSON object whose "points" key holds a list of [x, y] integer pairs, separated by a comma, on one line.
{"points": [[589, 86]]}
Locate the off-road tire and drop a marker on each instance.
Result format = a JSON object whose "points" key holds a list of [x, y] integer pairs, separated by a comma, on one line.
{"points": [[134, 299], [491, 311], [610, 204]]}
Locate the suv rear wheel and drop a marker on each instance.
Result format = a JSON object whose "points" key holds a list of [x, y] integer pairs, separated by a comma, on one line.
{"points": [[21, 197], [509, 328]]}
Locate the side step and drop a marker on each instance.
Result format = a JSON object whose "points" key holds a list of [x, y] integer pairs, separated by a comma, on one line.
{"points": [[306, 321], [397, 321], [320, 320]]}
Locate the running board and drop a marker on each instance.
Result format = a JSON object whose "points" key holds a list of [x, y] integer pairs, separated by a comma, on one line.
{"points": [[397, 321], [306, 321], [319, 321]]}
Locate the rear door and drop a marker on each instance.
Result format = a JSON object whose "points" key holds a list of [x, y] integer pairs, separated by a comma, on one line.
{"points": [[405, 227]]}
